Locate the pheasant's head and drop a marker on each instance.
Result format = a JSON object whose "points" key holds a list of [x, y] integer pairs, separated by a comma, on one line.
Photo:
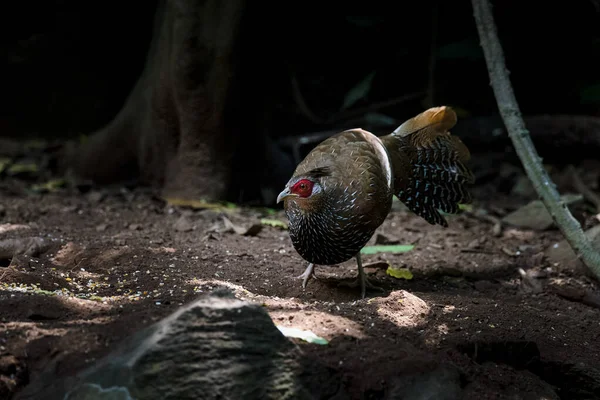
{"points": [[305, 191]]}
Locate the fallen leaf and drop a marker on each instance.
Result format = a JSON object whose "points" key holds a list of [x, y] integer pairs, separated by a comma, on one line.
{"points": [[20, 168], [268, 210], [35, 144], [253, 230], [199, 204], [49, 186], [274, 222], [380, 238], [377, 265], [12, 227], [359, 91], [465, 207], [307, 336], [29, 246], [4, 163], [399, 273], [183, 224], [534, 215], [396, 248]]}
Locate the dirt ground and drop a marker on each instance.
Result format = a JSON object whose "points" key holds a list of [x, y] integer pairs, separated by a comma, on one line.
{"points": [[110, 261]]}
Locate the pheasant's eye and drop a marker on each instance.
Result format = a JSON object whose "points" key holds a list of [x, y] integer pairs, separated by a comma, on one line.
{"points": [[303, 188]]}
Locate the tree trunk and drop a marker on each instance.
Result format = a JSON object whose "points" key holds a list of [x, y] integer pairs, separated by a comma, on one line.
{"points": [[170, 132]]}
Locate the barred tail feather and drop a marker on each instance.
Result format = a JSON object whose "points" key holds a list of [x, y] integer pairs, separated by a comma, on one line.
{"points": [[430, 172]]}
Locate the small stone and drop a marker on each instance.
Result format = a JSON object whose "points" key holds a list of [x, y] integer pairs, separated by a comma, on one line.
{"points": [[95, 197], [535, 216], [101, 227], [183, 224], [524, 188], [29, 246], [562, 256], [380, 238], [253, 230]]}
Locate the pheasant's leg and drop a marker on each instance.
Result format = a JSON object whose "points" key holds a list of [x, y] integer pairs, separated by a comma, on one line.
{"points": [[361, 280], [307, 274]]}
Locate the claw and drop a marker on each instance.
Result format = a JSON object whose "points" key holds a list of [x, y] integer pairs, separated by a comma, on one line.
{"points": [[307, 274], [361, 280]]}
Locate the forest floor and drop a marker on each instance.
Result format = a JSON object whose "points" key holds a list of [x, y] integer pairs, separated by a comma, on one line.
{"points": [[102, 264]]}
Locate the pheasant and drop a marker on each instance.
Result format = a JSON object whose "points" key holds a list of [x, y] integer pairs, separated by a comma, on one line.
{"points": [[342, 191]]}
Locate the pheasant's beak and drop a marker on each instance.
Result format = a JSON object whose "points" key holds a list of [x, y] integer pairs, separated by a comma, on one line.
{"points": [[285, 193]]}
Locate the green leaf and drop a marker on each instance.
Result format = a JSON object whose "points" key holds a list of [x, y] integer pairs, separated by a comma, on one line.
{"points": [[468, 48], [590, 94], [44, 292], [307, 336], [49, 186], [274, 222], [465, 207], [359, 91], [35, 144], [20, 168], [379, 119], [4, 163], [365, 22], [199, 204], [399, 273], [392, 248]]}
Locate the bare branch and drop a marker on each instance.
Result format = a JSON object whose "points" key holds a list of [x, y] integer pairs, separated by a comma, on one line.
{"points": [[511, 115], [301, 103]]}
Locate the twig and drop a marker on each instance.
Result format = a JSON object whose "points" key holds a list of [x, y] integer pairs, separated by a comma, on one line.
{"points": [[346, 114], [430, 98], [495, 221], [478, 251], [511, 115], [299, 99], [375, 106], [582, 188]]}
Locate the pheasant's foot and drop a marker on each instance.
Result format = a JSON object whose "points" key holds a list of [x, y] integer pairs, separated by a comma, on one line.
{"points": [[362, 279], [307, 275]]}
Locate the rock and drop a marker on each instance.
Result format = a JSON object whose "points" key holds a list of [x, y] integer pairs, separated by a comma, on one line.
{"points": [[96, 196], [252, 230], [380, 238], [523, 187], [217, 347], [183, 224], [29, 246], [535, 216], [12, 227], [101, 227], [563, 258]]}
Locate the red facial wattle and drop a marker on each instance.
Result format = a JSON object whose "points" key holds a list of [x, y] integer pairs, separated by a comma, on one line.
{"points": [[303, 188]]}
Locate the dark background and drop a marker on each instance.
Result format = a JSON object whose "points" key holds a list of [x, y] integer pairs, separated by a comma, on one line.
{"points": [[69, 65]]}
